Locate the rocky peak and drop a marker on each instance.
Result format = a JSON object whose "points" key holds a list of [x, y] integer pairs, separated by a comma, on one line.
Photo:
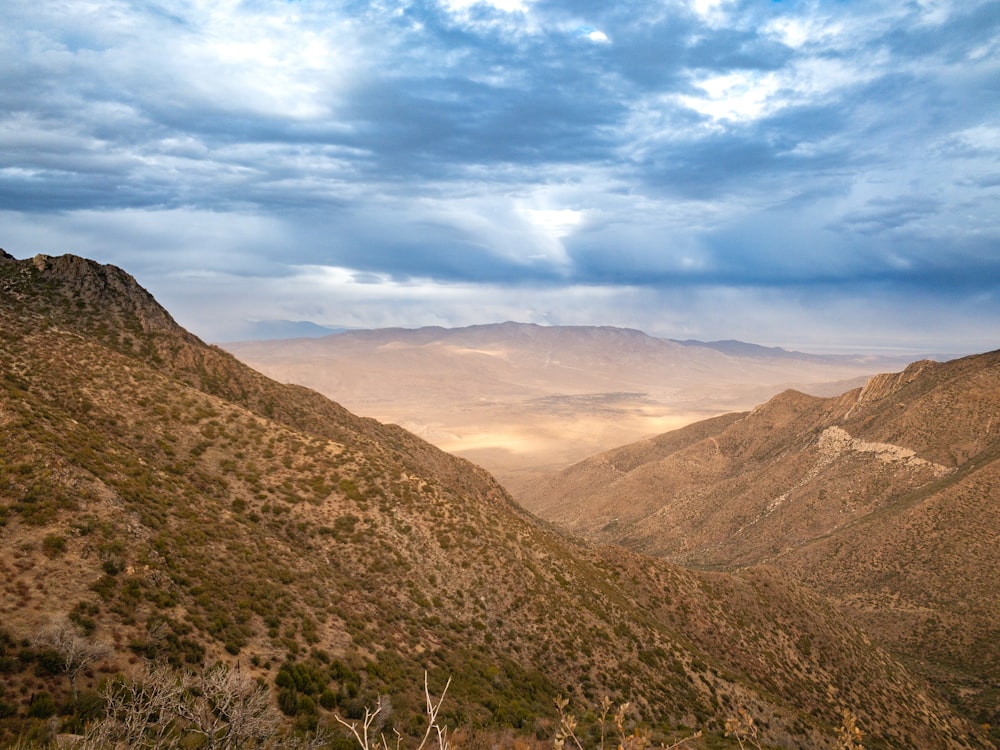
{"points": [[880, 386], [104, 290]]}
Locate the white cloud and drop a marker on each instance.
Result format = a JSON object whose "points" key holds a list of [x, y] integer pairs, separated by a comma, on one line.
{"points": [[557, 222], [738, 97], [712, 12], [984, 139], [274, 63], [748, 95], [803, 31], [548, 228], [516, 19], [934, 12], [507, 6]]}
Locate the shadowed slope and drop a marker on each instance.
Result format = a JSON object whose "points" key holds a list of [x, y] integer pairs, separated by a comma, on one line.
{"points": [[884, 498]]}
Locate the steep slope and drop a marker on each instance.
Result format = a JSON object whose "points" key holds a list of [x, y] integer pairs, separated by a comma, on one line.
{"points": [[885, 498], [523, 400], [168, 501]]}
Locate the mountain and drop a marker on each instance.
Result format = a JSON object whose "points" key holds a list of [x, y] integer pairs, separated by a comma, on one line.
{"points": [[884, 499], [524, 400], [263, 330], [744, 349], [161, 498]]}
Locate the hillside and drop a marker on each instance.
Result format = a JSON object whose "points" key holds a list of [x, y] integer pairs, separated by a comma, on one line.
{"points": [[524, 400], [184, 509], [181, 509], [884, 499]]}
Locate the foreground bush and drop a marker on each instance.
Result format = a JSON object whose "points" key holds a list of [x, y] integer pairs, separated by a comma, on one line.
{"points": [[223, 709]]}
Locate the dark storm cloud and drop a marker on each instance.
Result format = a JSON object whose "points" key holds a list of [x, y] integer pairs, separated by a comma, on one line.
{"points": [[437, 130]]}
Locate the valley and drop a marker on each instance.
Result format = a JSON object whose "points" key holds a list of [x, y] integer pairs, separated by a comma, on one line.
{"points": [[525, 400], [180, 513]]}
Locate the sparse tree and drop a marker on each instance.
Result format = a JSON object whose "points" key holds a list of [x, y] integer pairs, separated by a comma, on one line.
{"points": [[76, 653], [137, 712], [224, 708], [228, 709]]}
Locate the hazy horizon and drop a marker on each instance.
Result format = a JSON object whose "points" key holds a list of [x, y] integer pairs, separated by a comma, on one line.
{"points": [[822, 176], [272, 330]]}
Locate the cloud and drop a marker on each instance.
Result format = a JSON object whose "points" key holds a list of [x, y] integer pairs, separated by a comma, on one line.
{"points": [[456, 161], [882, 215]]}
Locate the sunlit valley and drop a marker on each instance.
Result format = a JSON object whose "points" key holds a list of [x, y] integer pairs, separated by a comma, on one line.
{"points": [[525, 400]]}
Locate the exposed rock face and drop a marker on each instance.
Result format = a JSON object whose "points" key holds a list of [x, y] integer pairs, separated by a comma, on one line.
{"points": [[106, 286], [836, 440], [884, 384]]}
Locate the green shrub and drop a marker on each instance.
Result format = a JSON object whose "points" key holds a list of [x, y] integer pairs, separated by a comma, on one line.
{"points": [[54, 545], [288, 701], [42, 706]]}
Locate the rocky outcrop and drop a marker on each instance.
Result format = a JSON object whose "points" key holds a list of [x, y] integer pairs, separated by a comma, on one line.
{"points": [[835, 440], [880, 386], [106, 287]]}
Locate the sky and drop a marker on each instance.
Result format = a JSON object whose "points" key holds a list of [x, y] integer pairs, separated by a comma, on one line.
{"points": [[821, 175]]}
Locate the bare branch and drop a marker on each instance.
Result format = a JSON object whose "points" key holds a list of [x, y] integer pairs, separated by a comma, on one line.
{"points": [[76, 653], [160, 708], [364, 734], [432, 713]]}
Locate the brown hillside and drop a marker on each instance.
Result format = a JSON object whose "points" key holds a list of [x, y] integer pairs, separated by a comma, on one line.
{"points": [[523, 400], [885, 498], [180, 508]]}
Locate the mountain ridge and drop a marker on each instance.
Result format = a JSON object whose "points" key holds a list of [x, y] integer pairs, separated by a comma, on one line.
{"points": [[89, 282], [883, 498], [727, 347], [182, 508]]}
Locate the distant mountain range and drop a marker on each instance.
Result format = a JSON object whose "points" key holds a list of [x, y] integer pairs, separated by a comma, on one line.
{"points": [[264, 330], [755, 351], [522, 399], [885, 499], [161, 498]]}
